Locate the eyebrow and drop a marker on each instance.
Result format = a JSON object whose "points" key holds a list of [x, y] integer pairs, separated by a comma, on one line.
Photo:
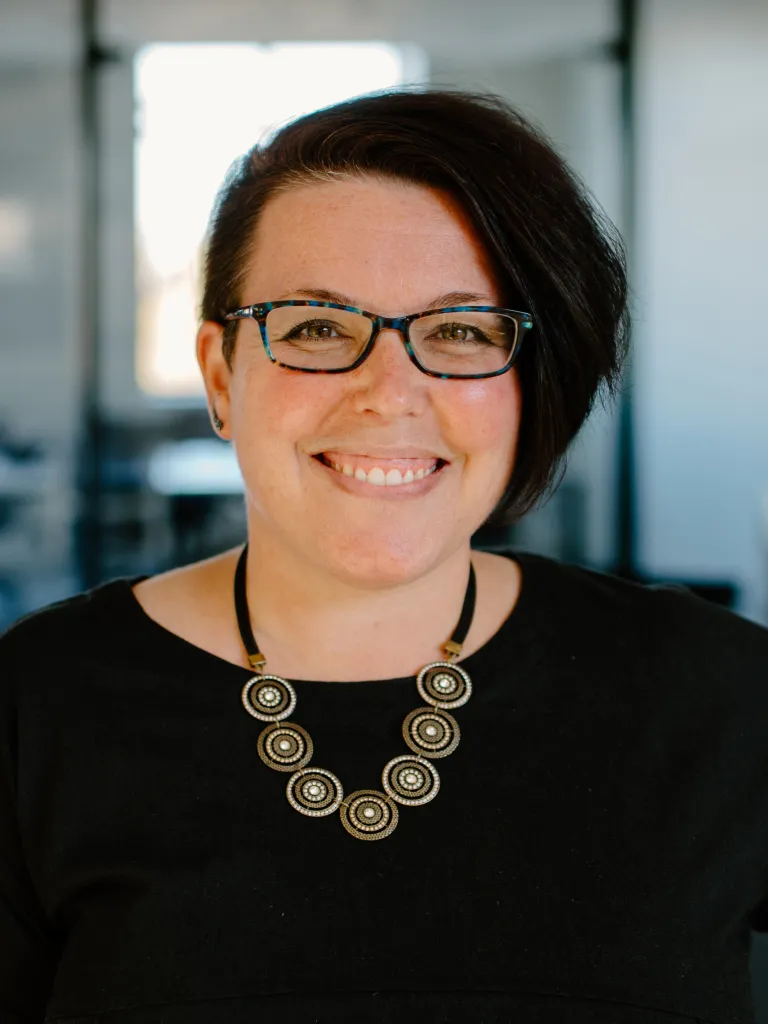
{"points": [[448, 299]]}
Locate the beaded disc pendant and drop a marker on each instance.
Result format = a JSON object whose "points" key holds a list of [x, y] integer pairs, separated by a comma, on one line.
{"points": [[369, 814], [430, 732], [410, 780], [285, 746], [315, 792], [444, 684], [269, 698]]}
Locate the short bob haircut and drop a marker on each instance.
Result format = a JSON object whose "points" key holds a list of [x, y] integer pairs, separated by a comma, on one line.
{"points": [[553, 252]]}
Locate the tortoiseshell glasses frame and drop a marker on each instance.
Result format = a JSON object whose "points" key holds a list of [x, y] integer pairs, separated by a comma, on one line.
{"points": [[259, 311]]}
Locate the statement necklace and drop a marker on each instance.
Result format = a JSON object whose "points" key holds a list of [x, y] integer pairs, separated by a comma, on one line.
{"points": [[430, 732]]}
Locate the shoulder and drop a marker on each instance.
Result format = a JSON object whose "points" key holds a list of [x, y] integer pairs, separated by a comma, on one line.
{"points": [[90, 619], [51, 635], [43, 654], [640, 619]]}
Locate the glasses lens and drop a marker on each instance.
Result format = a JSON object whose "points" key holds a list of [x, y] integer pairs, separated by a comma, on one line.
{"points": [[464, 343], [316, 338]]}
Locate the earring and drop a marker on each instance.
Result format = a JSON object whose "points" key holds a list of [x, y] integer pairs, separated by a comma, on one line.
{"points": [[218, 423]]}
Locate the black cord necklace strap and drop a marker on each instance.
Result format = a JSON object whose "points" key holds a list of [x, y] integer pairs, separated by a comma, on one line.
{"points": [[452, 647], [255, 656]]}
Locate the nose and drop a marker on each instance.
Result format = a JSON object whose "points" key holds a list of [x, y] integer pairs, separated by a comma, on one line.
{"points": [[387, 382]]}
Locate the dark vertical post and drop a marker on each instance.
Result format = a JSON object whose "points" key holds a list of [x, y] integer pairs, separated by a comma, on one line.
{"points": [[88, 536], [626, 496]]}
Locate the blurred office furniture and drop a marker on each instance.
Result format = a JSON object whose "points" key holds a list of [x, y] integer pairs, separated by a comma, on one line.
{"points": [[201, 480], [171, 494], [30, 482]]}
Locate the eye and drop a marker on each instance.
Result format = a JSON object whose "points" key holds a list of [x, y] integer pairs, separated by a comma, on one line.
{"points": [[461, 333], [320, 330]]}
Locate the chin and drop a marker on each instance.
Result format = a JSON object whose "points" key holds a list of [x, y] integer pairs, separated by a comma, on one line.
{"points": [[379, 559]]}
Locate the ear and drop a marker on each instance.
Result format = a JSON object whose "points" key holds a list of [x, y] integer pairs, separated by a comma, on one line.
{"points": [[216, 374]]}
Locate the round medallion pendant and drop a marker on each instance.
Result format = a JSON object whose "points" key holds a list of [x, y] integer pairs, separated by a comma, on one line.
{"points": [[285, 746], [444, 685], [314, 792], [269, 698], [369, 814], [410, 781], [431, 732]]}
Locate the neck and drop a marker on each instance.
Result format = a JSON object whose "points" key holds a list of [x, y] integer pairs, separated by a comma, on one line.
{"points": [[311, 623]]}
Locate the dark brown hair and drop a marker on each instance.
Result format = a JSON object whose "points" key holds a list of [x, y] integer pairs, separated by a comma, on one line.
{"points": [[554, 253]]}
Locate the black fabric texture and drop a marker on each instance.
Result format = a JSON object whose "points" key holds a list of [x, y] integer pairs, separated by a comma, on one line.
{"points": [[597, 852]]}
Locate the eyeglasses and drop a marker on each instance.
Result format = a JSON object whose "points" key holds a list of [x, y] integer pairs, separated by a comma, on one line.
{"points": [[468, 342]]}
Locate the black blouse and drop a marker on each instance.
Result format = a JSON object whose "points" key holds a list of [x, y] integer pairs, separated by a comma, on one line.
{"points": [[597, 852]]}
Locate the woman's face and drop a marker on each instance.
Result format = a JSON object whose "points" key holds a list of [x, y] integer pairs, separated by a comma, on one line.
{"points": [[393, 249]]}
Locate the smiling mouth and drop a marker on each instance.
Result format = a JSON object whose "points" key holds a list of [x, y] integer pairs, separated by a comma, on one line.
{"points": [[382, 475]]}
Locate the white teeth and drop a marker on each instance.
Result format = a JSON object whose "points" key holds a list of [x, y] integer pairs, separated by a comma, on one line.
{"points": [[378, 477]]}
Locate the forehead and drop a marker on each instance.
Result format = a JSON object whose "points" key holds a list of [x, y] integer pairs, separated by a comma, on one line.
{"points": [[389, 245]]}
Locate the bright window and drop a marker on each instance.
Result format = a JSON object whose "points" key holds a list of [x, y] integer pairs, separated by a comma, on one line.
{"points": [[199, 108]]}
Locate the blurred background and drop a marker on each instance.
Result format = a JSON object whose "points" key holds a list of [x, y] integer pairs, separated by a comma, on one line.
{"points": [[118, 120]]}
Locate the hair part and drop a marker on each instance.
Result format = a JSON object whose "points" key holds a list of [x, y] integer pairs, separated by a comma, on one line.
{"points": [[553, 251]]}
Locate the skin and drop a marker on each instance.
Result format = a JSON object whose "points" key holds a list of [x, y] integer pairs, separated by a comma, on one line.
{"points": [[354, 568]]}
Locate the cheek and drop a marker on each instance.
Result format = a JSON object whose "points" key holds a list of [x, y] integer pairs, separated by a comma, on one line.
{"points": [[485, 416], [279, 409]]}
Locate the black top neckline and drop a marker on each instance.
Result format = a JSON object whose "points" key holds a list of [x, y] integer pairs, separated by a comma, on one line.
{"points": [[172, 652]]}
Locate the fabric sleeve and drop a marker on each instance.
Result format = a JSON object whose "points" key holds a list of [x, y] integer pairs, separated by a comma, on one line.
{"points": [[28, 952]]}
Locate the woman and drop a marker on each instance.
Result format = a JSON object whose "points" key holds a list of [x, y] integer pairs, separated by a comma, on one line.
{"points": [[560, 779]]}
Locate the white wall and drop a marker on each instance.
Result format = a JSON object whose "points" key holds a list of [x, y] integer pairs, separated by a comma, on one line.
{"points": [[702, 282], [497, 29]]}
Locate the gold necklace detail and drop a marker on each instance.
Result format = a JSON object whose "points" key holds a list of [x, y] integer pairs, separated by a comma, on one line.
{"points": [[430, 732]]}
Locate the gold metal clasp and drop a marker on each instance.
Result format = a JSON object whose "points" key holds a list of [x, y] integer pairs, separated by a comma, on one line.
{"points": [[452, 650], [258, 661]]}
